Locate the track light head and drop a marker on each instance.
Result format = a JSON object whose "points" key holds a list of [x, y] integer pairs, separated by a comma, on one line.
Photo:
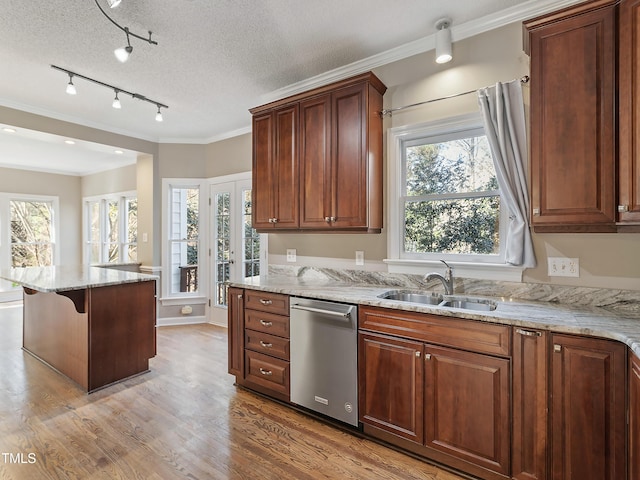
{"points": [[159, 115], [443, 41], [122, 54], [116, 102], [71, 88]]}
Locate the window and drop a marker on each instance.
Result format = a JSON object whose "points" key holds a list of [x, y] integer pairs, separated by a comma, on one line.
{"points": [[111, 229], [447, 201], [32, 233], [184, 252]]}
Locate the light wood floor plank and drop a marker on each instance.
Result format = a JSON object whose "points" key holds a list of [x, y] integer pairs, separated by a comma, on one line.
{"points": [[183, 420]]}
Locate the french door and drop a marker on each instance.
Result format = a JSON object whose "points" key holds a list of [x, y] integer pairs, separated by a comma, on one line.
{"points": [[237, 250]]}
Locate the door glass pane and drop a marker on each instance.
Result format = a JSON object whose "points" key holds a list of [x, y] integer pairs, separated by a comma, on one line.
{"points": [[250, 240], [222, 208], [112, 231]]}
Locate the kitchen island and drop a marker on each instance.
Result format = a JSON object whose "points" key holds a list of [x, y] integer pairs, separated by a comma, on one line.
{"points": [[94, 325]]}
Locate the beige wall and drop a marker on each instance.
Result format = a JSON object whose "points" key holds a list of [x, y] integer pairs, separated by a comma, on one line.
{"points": [[67, 188], [112, 181], [229, 156]]}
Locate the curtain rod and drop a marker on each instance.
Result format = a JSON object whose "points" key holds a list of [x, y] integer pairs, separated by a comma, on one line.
{"points": [[389, 111]]}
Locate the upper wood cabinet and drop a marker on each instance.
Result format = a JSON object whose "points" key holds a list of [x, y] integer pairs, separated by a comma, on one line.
{"points": [[573, 147], [585, 117], [322, 165]]}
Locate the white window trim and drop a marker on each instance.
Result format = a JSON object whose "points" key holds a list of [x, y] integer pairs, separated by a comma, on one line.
{"points": [[471, 268], [122, 222], [201, 296]]}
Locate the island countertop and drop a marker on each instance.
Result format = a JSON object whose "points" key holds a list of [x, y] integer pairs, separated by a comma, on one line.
{"points": [[70, 277]]}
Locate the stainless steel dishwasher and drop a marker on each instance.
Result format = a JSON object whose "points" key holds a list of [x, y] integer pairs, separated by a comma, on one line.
{"points": [[324, 357]]}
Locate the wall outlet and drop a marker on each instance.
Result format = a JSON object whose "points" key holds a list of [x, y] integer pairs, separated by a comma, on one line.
{"points": [[563, 267], [359, 257], [291, 254]]}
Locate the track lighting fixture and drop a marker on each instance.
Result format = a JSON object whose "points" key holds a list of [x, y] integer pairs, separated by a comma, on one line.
{"points": [[443, 41], [123, 53], [71, 89], [116, 102]]}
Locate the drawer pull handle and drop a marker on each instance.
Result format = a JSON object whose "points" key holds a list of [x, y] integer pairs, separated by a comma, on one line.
{"points": [[266, 345], [265, 372], [265, 323], [265, 302], [528, 333]]}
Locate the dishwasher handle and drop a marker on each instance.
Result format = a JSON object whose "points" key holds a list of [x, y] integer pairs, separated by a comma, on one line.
{"points": [[347, 314]]}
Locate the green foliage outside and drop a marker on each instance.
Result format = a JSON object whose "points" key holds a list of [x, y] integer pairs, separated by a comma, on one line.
{"points": [[451, 202]]}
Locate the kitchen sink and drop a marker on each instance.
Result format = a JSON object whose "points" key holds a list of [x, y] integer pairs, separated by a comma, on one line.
{"points": [[427, 298], [435, 299]]}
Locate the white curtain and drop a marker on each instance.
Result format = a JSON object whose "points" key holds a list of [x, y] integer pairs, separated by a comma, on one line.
{"points": [[502, 109]]}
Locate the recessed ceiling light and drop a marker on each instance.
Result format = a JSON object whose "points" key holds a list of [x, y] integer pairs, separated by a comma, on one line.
{"points": [[8, 130], [118, 152], [69, 142]]}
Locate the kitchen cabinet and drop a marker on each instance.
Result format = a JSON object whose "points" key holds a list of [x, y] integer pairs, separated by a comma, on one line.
{"points": [[275, 166], [629, 114], [573, 118], [445, 387], [259, 341], [235, 332], [634, 417], [530, 400], [330, 144], [587, 409]]}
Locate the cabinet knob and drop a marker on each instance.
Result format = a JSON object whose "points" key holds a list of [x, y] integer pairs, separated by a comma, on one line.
{"points": [[623, 208], [265, 323], [275, 220], [427, 356], [265, 372], [417, 354], [528, 333], [327, 219], [536, 211], [265, 345], [265, 302], [557, 348]]}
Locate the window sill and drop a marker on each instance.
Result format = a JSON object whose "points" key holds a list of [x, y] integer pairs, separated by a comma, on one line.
{"points": [[482, 271]]}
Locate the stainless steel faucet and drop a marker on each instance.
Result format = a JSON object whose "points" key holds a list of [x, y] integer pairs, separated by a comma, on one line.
{"points": [[446, 279]]}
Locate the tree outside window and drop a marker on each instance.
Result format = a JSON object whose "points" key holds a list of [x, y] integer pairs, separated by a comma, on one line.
{"points": [[31, 233]]}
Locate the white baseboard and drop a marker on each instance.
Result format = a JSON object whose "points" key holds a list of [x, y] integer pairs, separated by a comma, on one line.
{"points": [[171, 321]]}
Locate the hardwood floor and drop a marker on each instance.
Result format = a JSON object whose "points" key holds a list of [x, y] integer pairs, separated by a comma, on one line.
{"points": [[183, 420]]}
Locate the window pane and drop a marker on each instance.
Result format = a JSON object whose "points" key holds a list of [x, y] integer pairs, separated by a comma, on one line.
{"points": [[462, 226], [132, 220], [31, 233], [455, 166], [250, 240], [94, 222]]}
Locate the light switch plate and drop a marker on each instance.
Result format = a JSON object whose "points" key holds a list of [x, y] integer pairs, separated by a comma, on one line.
{"points": [[563, 267], [291, 254], [359, 257]]}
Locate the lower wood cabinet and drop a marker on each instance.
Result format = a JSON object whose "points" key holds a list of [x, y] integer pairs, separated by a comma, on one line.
{"points": [[587, 415], [446, 403], [259, 341]]}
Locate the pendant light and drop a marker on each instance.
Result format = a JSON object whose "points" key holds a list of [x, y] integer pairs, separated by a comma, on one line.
{"points": [[443, 41]]}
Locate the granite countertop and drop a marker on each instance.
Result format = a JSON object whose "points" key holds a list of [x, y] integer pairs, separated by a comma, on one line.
{"points": [[555, 317], [70, 277]]}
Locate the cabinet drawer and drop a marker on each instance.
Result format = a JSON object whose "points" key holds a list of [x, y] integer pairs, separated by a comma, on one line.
{"points": [[268, 344], [268, 372], [267, 323], [267, 302], [469, 335]]}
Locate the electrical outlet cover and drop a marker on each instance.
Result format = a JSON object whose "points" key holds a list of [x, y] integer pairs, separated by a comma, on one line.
{"points": [[563, 267]]}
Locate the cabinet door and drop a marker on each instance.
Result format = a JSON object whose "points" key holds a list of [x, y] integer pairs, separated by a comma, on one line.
{"points": [[348, 174], [634, 417], [261, 192], [529, 459], [275, 169], [390, 385], [588, 409], [467, 407], [629, 105], [285, 184], [235, 332], [315, 162], [573, 118]]}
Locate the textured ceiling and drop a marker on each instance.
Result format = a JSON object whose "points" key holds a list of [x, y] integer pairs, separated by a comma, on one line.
{"points": [[214, 60]]}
